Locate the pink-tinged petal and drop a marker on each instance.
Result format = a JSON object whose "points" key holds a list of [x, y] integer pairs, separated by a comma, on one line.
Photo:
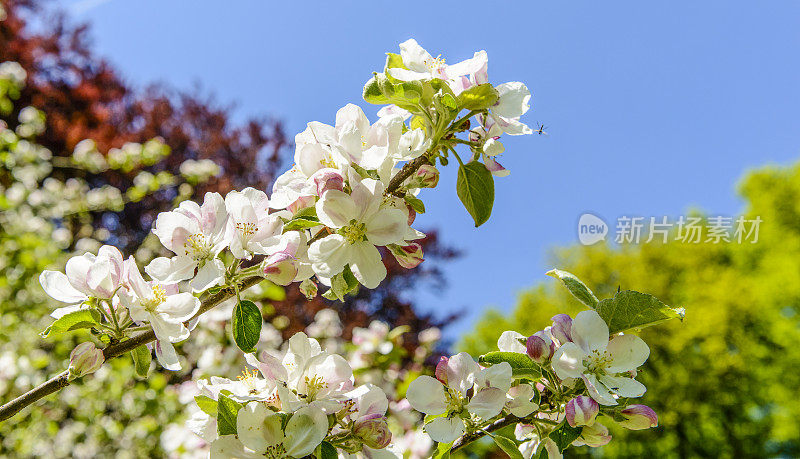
{"points": [[329, 255], [568, 361], [135, 280], [57, 285], [495, 167], [171, 270], [336, 209], [487, 403], [622, 386], [445, 430], [280, 268], [513, 101], [312, 157], [366, 264], [166, 355], [426, 395], [173, 229], [367, 196], [497, 376], [387, 226], [589, 331], [270, 367], [462, 371], [240, 208], [638, 417], [598, 391], [511, 126], [628, 352], [77, 270]]}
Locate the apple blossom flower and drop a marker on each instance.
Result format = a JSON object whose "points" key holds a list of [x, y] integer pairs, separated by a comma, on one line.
{"points": [[373, 338], [420, 65], [87, 276], [638, 417], [561, 328], [581, 411], [262, 431], [539, 347], [602, 365], [482, 392], [196, 234], [532, 444], [253, 228], [509, 341], [408, 256], [370, 426], [361, 224], [164, 308]]}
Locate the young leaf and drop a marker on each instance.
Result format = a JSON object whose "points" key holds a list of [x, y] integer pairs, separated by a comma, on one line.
{"points": [[141, 360], [82, 318], [227, 412], [521, 365], [475, 188], [508, 446], [565, 435], [394, 60], [442, 451], [207, 404], [246, 324], [299, 223], [478, 97], [326, 451], [578, 289], [629, 310], [415, 203]]}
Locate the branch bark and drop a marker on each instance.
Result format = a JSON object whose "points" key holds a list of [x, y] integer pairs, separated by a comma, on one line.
{"points": [[466, 439], [61, 380]]}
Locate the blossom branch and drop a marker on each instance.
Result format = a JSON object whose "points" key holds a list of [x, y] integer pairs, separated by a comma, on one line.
{"points": [[62, 380], [466, 439]]}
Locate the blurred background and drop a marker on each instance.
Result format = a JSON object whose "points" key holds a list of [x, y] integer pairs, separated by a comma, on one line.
{"points": [[650, 110]]}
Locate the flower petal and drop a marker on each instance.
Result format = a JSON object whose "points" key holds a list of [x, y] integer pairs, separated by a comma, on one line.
{"points": [[426, 395], [329, 255], [628, 352], [258, 427], [445, 430], [487, 403], [166, 355], [366, 264], [509, 342], [598, 391], [305, 431], [622, 386], [336, 209], [589, 331], [387, 226], [568, 361], [56, 284]]}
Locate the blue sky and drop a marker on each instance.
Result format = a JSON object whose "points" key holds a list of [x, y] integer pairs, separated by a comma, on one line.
{"points": [[652, 109]]}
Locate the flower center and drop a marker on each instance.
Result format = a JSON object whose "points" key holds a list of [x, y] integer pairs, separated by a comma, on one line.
{"points": [[597, 362], [159, 296], [354, 232], [197, 247], [434, 64], [328, 162], [249, 380], [314, 385], [275, 452], [246, 229]]}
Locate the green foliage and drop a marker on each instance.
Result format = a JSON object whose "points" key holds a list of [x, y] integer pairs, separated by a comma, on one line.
{"points": [[478, 97], [141, 360], [83, 318], [521, 365], [508, 446], [475, 188], [630, 310], [246, 325], [578, 289], [227, 412], [724, 382]]}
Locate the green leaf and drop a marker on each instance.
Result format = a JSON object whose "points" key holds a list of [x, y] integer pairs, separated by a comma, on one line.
{"points": [[578, 289], [82, 318], [246, 323], [442, 451], [521, 365], [207, 404], [141, 360], [393, 61], [309, 213], [478, 97], [475, 188], [508, 446], [631, 310], [326, 451], [565, 435], [372, 92], [298, 223], [415, 203], [227, 411]]}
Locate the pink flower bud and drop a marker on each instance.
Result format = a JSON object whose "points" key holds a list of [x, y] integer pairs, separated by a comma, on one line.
{"points": [[85, 359], [373, 431], [328, 179], [309, 289], [562, 328], [409, 256], [441, 370], [538, 349], [581, 411], [412, 215], [594, 435], [638, 417], [427, 176], [280, 268]]}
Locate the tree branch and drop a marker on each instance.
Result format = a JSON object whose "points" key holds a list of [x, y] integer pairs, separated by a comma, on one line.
{"points": [[61, 380], [406, 172], [466, 439]]}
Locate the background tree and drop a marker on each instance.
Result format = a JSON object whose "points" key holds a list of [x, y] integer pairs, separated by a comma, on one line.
{"points": [[724, 382]]}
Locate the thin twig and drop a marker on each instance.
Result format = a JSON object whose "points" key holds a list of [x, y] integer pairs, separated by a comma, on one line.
{"points": [[466, 439], [61, 380]]}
